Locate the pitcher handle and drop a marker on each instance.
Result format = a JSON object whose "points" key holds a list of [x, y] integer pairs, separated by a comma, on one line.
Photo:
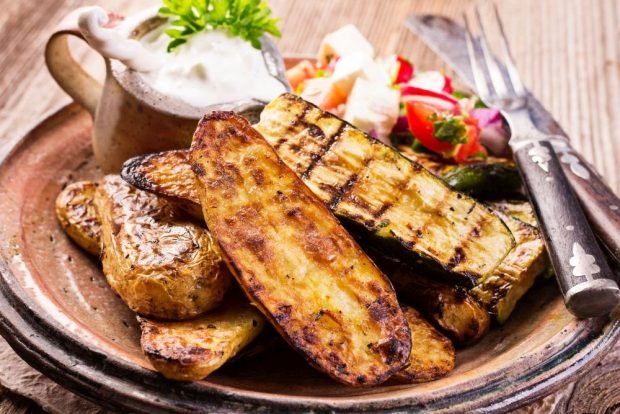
{"points": [[65, 70]]}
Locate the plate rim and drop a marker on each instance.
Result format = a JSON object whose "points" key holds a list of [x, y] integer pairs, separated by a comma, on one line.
{"points": [[61, 356]]}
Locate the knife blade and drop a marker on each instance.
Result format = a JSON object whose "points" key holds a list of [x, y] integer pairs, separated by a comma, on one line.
{"points": [[447, 38]]}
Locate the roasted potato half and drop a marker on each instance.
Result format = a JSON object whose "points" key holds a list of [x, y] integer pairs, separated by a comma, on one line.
{"points": [[184, 350], [191, 350], [432, 354], [77, 214], [293, 259], [162, 265]]}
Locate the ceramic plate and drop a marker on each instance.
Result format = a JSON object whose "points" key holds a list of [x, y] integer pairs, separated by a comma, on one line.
{"points": [[58, 313]]}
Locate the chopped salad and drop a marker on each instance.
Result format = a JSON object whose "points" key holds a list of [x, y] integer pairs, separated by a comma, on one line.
{"points": [[395, 103]]}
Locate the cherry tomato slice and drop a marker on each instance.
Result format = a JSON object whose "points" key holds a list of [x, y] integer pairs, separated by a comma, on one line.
{"points": [[418, 116], [472, 146]]}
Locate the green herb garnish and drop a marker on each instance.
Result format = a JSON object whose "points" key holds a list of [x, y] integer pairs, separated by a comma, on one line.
{"points": [[247, 19], [450, 129]]}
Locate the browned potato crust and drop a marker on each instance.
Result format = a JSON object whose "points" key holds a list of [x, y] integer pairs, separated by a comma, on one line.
{"points": [[191, 350], [449, 307], [161, 265], [167, 174], [77, 214], [432, 354], [293, 259]]}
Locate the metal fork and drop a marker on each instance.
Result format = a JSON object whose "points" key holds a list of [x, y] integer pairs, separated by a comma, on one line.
{"points": [[581, 268]]}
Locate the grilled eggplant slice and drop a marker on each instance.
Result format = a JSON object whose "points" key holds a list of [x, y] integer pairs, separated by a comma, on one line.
{"points": [[191, 350], [516, 274], [161, 265], [293, 259], [77, 214], [432, 354], [380, 193], [451, 308]]}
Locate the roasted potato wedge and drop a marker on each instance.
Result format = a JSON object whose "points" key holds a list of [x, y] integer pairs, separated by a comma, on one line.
{"points": [[153, 173], [77, 214], [161, 265], [450, 307], [432, 354], [191, 350], [167, 174], [293, 259]]}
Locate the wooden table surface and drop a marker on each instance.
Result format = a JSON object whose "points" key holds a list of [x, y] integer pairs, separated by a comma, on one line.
{"points": [[568, 52]]}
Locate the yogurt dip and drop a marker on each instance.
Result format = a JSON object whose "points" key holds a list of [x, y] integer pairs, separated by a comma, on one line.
{"points": [[212, 67]]}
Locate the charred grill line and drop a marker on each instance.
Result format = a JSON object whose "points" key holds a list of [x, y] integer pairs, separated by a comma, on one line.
{"points": [[344, 190], [315, 158], [299, 120]]}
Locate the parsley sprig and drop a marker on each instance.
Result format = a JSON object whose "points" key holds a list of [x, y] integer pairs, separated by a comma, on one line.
{"points": [[247, 19], [449, 129]]}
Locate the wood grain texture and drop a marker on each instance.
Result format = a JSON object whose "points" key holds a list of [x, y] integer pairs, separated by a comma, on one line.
{"points": [[567, 50]]}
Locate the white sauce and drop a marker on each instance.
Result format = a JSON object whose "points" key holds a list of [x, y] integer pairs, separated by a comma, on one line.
{"points": [[212, 67]]}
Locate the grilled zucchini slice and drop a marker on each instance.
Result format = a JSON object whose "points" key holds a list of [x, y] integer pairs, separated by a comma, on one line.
{"points": [[432, 354], [293, 259], [160, 264], [521, 210], [380, 193], [191, 350], [77, 214], [490, 179], [450, 307], [516, 274]]}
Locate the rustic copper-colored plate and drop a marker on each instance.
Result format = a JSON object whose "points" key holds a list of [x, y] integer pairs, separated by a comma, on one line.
{"points": [[59, 314]]}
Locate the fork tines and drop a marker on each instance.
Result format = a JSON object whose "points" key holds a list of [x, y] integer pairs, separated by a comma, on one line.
{"points": [[498, 84]]}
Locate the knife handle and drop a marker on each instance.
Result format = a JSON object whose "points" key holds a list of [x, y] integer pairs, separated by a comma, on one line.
{"points": [[601, 205], [582, 271]]}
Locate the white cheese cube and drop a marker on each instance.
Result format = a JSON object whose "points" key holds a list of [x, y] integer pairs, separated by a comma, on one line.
{"points": [[372, 106], [343, 41], [357, 65]]}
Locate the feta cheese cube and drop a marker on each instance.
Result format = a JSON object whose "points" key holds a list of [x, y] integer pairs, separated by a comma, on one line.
{"points": [[343, 41], [373, 107]]}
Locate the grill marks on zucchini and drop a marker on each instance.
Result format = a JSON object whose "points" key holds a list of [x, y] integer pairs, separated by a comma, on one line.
{"points": [[370, 184], [292, 257]]}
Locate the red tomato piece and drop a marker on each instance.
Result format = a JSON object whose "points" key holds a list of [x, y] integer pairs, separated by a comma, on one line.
{"points": [[418, 116]]}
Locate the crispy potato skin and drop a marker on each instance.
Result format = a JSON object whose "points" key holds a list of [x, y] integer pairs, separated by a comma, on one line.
{"points": [[161, 265], [77, 214], [167, 174], [432, 354], [293, 259], [451, 308], [191, 350]]}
